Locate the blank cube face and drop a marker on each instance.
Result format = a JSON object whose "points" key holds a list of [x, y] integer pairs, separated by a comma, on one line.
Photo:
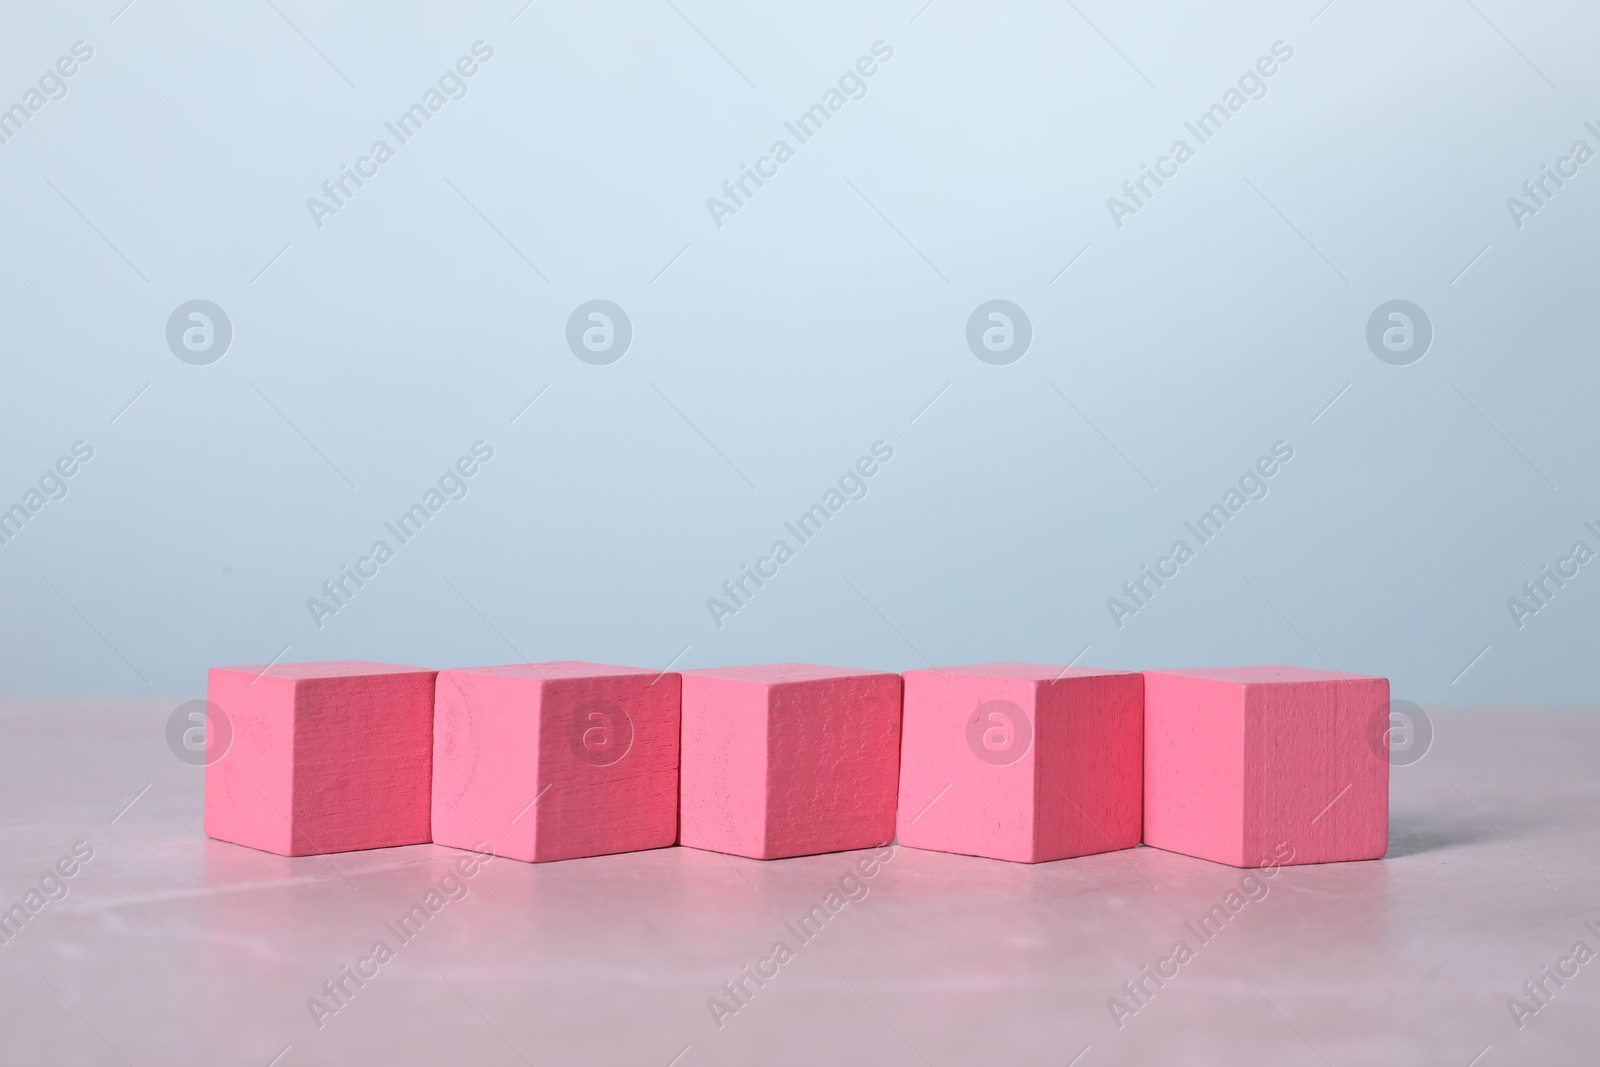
{"points": [[325, 757], [1021, 762], [789, 759], [1265, 766], [554, 761]]}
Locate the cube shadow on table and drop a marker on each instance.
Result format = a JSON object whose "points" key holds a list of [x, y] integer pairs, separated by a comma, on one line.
{"points": [[1266, 766], [789, 759], [554, 761], [1022, 761], [324, 757]]}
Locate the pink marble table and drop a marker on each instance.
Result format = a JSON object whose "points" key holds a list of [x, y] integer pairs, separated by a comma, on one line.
{"points": [[168, 948]]}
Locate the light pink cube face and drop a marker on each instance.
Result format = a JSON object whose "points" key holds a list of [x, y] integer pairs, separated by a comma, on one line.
{"points": [[1021, 761], [324, 757], [789, 759], [1265, 766], [554, 761]]}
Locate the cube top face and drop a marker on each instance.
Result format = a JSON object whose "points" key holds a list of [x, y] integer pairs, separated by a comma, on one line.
{"points": [[564, 669], [556, 764], [1269, 675], [322, 760], [789, 760], [1031, 672], [1025, 762], [781, 673], [1266, 766], [349, 668]]}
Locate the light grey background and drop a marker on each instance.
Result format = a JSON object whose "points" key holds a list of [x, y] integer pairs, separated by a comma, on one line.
{"points": [[770, 353]]}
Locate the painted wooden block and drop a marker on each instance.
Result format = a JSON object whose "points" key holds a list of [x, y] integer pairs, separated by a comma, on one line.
{"points": [[1022, 761], [552, 761], [789, 759], [1266, 766], [324, 757]]}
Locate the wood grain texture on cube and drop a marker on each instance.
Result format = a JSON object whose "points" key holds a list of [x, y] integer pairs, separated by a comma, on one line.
{"points": [[1265, 766], [325, 757], [789, 759], [553, 761], [1022, 762]]}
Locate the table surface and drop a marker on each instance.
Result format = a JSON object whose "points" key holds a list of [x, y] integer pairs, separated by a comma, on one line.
{"points": [[172, 949]]}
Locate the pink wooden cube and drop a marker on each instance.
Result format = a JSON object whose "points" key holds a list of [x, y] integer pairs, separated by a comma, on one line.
{"points": [[1021, 761], [324, 757], [789, 759], [552, 761], [1265, 766]]}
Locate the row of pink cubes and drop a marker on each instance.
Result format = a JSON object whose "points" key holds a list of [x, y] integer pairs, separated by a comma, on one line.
{"points": [[1249, 766]]}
